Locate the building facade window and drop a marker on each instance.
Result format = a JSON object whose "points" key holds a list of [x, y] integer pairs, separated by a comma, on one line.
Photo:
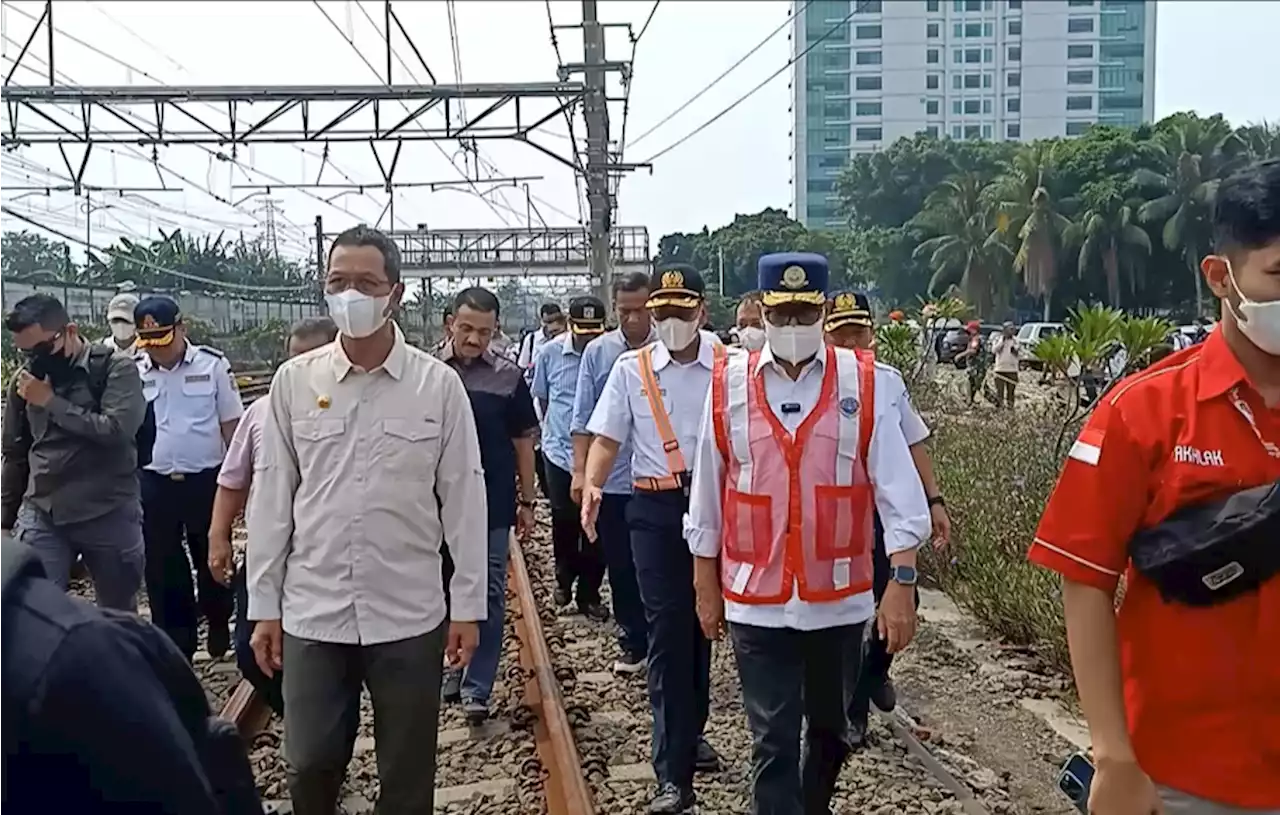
{"points": [[986, 131], [973, 131], [1015, 53], [973, 29], [867, 83], [1014, 79], [973, 55], [1080, 25], [931, 131], [1013, 104], [988, 55], [867, 32], [1080, 3], [1079, 103], [931, 56], [867, 109], [869, 57], [972, 106], [972, 81], [957, 81], [932, 30], [931, 107], [868, 7], [956, 132], [839, 111], [1015, 5], [933, 6], [1078, 128], [931, 82], [1013, 130], [868, 134], [1015, 28], [1079, 52], [1080, 77]]}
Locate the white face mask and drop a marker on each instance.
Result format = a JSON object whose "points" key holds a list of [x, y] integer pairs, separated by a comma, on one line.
{"points": [[357, 315], [752, 338], [794, 343], [675, 334], [1259, 321], [122, 332]]}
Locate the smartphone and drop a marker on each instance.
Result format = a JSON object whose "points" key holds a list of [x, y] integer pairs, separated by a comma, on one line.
{"points": [[1074, 780]]}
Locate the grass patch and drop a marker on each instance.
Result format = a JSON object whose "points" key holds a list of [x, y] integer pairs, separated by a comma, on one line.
{"points": [[996, 472]]}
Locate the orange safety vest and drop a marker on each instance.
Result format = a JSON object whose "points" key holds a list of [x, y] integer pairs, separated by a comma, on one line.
{"points": [[666, 433], [797, 512]]}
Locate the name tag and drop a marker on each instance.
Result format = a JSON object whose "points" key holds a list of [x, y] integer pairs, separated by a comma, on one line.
{"points": [[791, 407], [148, 383], [196, 378]]}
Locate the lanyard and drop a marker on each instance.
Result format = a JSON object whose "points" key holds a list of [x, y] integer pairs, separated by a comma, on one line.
{"points": [[1247, 412]]}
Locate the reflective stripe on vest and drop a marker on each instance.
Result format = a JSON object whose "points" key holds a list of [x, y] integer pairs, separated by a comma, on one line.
{"points": [[798, 513], [666, 433]]}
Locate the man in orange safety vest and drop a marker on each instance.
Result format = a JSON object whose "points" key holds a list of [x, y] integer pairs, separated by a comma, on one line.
{"points": [[800, 445]]}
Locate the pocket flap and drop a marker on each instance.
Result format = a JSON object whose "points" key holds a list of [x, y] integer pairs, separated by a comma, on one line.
{"points": [[411, 429], [317, 429]]}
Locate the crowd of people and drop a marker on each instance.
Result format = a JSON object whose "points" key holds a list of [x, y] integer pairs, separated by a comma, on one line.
{"points": [[773, 490]]}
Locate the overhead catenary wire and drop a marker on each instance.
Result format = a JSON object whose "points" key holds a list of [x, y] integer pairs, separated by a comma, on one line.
{"points": [[832, 30], [684, 106], [580, 193]]}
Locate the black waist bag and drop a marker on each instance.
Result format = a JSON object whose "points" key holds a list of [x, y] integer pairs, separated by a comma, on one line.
{"points": [[1211, 553]]}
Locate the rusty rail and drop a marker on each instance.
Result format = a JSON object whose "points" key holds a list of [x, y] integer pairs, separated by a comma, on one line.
{"points": [[566, 785]]}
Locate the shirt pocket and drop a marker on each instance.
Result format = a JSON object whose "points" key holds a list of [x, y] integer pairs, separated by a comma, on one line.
{"points": [[408, 447], [199, 399], [319, 444]]}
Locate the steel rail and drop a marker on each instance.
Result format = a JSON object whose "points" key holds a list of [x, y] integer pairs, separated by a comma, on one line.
{"points": [[566, 784]]}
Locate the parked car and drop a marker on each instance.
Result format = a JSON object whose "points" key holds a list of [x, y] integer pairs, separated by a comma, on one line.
{"points": [[957, 339], [1029, 335]]}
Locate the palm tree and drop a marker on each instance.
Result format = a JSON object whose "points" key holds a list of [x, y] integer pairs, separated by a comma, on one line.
{"points": [[1195, 154], [1108, 235], [965, 249], [1027, 216], [1262, 140]]}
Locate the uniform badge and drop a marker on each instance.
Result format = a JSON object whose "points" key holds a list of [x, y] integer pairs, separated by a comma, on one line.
{"points": [[149, 323], [672, 280], [588, 312], [844, 302], [323, 402], [794, 277], [849, 406]]}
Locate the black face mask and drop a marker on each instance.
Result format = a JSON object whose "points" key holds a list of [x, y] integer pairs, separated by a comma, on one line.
{"points": [[46, 361]]}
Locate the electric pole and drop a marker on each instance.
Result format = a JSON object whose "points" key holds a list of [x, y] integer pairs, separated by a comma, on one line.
{"points": [[596, 113]]}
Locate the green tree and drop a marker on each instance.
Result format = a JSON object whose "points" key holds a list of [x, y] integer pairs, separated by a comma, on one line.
{"points": [[1108, 237], [965, 249], [24, 253]]}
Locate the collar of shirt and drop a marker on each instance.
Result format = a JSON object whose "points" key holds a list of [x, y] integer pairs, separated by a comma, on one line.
{"points": [[566, 344], [706, 353], [1218, 369], [767, 358], [188, 354], [81, 359], [393, 364], [626, 346], [447, 355]]}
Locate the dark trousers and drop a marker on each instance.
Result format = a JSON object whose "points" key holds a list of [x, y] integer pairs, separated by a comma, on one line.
{"points": [[578, 560], [793, 681], [876, 658], [268, 686], [540, 471], [614, 540], [171, 508], [322, 683], [679, 655]]}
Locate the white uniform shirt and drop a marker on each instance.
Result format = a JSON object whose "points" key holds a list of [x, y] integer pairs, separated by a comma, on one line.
{"points": [[1006, 350], [361, 477], [899, 496], [623, 413], [191, 402]]}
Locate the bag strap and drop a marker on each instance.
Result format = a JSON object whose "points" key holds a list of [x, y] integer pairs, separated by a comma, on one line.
{"points": [[666, 433], [99, 370]]}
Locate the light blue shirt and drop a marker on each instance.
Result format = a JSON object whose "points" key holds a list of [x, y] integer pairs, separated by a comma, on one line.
{"points": [[555, 381], [597, 361], [191, 402]]}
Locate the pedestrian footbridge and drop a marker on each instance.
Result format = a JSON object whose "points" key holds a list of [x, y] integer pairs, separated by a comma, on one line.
{"points": [[537, 252]]}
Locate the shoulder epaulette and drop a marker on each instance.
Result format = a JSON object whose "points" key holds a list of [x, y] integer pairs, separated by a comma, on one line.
{"points": [[211, 351]]}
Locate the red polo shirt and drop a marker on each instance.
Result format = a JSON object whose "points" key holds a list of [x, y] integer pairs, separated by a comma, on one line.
{"points": [[1201, 685]]}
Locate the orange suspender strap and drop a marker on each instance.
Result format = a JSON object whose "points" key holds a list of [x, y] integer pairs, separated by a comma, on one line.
{"points": [[666, 433], [867, 391], [719, 400]]}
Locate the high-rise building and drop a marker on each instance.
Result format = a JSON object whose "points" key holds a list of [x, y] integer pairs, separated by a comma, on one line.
{"points": [[878, 70]]}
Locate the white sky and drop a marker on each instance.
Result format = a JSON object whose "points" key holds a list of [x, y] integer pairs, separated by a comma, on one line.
{"points": [[1215, 56]]}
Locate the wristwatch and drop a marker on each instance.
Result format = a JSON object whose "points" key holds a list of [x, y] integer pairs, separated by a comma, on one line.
{"points": [[936, 501], [903, 575]]}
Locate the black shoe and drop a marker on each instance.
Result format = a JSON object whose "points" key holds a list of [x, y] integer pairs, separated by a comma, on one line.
{"points": [[560, 597], [594, 611], [707, 759], [884, 696], [856, 735], [477, 712], [451, 687], [671, 800], [218, 640]]}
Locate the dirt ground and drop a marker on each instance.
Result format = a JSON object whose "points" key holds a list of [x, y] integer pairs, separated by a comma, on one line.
{"points": [[969, 697]]}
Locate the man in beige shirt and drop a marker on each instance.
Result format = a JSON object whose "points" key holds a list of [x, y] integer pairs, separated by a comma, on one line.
{"points": [[369, 461]]}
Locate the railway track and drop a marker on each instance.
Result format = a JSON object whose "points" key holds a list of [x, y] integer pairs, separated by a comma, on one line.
{"points": [[568, 737]]}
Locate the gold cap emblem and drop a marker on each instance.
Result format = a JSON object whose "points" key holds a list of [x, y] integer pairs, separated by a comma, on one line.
{"points": [[149, 322], [323, 402], [845, 302], [794, 277], [588, 312], [672, 280]]}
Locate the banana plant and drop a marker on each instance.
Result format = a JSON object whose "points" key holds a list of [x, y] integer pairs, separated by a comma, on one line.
{"points": [[1138, 338]]}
